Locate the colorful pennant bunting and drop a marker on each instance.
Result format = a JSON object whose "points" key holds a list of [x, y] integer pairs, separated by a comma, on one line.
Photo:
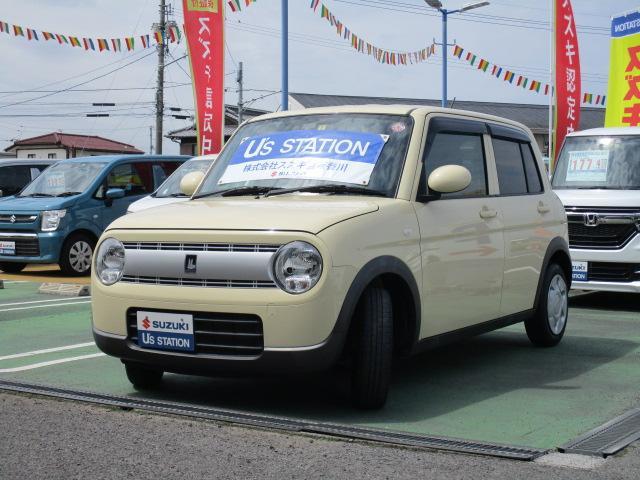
{"points": [[519, 80]]}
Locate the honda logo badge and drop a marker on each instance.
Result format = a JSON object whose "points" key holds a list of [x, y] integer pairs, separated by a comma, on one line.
{"points": [[591, 219], [191, 264]]}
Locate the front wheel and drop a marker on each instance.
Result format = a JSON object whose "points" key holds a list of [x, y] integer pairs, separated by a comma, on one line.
{"points": [[76, 255], [10, 267], [371, 374], [545, 328], [143, 378]]}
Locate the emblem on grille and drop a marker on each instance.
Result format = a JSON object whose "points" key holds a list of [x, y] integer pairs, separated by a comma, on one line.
{"points": [[191, 264], [591, 219], [12, 219]]}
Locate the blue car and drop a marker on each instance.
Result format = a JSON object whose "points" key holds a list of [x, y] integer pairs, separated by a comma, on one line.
{"points": [[59, 216]]}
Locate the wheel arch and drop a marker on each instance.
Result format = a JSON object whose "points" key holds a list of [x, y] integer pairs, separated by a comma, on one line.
{"points": [[557, 252], [396, 277]]}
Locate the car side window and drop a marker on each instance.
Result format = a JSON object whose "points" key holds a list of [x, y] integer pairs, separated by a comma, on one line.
{"points": [[511, 176], [449, 148], [534, 184], [14, 178], [133, 178]]}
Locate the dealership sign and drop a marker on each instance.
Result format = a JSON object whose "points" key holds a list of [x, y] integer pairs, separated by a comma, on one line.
{"points": [[623, 106], [204, 31], [568, 85]]}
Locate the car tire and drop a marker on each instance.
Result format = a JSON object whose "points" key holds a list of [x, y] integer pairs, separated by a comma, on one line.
{"points": [[10, 267], [372, 359], [546, 327], [143, 378], [76, 255]]}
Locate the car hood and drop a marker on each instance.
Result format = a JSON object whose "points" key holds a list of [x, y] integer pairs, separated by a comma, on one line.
{"points": [[151, 202], [308, 213], [33, 204], [599, 198]]}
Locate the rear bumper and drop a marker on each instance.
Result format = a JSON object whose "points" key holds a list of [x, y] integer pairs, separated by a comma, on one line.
{"points": [[276, 361]]}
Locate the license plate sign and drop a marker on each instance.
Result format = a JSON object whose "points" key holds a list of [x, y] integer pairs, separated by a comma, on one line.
{"points": [[7, 248], [166, 331], [580, 271]]}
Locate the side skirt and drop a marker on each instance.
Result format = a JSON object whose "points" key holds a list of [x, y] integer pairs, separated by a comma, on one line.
{"points": [[447, 338]]}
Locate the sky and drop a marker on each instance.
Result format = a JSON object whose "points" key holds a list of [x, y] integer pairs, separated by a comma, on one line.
{"points": [[511, 33]]}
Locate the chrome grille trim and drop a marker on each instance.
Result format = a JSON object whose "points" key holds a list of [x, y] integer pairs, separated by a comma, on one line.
{"points": [[200, 247], [194, 282], [6, 218]]}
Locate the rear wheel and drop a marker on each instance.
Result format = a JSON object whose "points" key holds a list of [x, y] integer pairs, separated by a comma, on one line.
{"points": [[10, 267], [143, 378], [545, 328], [371, 374], [76, 255]]}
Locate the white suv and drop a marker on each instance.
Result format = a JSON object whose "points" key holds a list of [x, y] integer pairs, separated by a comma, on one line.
{"points": [[363, 233], [598, 180]]}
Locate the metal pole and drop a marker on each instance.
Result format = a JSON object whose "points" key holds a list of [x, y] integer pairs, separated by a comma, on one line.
{"points": [[240, 104], [160, 83], [285, 55], [151, 140], [551, 83], [445, 53]]}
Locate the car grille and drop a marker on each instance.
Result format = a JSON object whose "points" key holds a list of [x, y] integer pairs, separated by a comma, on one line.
{"points": [[196, 282], [6, 218], [226, 334], [25, 247], [614, 272], [200, 247], [604, 236]]}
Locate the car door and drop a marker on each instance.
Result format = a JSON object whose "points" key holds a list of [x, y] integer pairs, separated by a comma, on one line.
{"points": [[135, 178], [462, 244], [522, 202]]}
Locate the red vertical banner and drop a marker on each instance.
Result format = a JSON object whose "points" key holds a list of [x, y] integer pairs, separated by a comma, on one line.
{"points": [[204, 31], [568, 85]]}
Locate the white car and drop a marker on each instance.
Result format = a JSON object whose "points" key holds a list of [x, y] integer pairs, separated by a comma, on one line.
{"points": [[598, 180], [169, 192]]}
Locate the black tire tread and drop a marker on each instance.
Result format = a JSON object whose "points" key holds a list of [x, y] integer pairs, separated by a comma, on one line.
{"points": [[10, 267], [537, 326]]}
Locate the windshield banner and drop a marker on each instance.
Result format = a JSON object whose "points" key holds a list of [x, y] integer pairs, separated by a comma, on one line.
{"points": [[330, 155], [623, 102]]}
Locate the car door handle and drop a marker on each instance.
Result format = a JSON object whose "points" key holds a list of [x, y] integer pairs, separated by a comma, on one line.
{"points": [[486, 212], [543, 208]]}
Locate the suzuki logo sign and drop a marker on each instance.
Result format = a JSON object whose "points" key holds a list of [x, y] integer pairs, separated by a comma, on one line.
{"points": [[191, 264], [12, 219], [591, 219]]}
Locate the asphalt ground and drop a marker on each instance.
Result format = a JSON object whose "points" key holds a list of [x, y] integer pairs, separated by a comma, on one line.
{"points": [[493, 388]]}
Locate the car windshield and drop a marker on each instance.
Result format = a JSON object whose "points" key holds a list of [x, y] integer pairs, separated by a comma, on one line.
{"points": [[171, 186], [64, 179], [599, 162], [356, 153]]}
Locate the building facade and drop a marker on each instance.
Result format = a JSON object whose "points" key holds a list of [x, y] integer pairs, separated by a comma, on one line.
{"points": [[58, 146]]}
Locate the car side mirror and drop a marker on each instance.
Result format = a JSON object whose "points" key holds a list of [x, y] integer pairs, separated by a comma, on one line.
{"points": [[114, 193], [449, 179], [190, 182]]}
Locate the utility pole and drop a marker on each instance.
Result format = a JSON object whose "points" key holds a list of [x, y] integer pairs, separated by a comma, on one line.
{"points": [[285, 55], [240, 99], [162, 28], [150, 140]]}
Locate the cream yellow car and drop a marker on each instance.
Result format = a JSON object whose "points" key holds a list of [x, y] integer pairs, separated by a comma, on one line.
{"points": [[357, 233]]}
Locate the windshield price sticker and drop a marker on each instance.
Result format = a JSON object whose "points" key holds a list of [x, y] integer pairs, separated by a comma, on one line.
{"points": [[330, 155], [56, 183], [588, 166]]}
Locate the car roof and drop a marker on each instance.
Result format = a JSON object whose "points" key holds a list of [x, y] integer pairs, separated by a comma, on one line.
{"points": [[121, 158], [419, 110], [595, 132], [27, 161]]}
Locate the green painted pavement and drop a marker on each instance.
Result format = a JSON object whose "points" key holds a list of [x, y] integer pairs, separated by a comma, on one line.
{"points": [[21, 292], [495, 388]]}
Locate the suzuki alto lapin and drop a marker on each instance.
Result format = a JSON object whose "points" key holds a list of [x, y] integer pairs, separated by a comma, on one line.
{"points": [[358, 234]]}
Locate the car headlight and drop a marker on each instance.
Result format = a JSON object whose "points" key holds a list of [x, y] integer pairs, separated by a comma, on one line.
{"points": [[110, 261], [296, 267], [51, 219]]}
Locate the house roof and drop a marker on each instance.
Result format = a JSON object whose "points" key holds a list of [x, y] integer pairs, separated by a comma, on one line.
{"points": [[536, 117], [79, 142], [230, 118]]}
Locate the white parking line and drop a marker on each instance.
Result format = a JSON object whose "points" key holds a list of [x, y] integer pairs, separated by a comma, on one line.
{"points": [[46, 350], [45, 301], [49, 305], [15, 281], [52, 362]]}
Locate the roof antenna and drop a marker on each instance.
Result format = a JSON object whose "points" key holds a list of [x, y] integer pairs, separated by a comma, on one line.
{"points": [[453, 102]]}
